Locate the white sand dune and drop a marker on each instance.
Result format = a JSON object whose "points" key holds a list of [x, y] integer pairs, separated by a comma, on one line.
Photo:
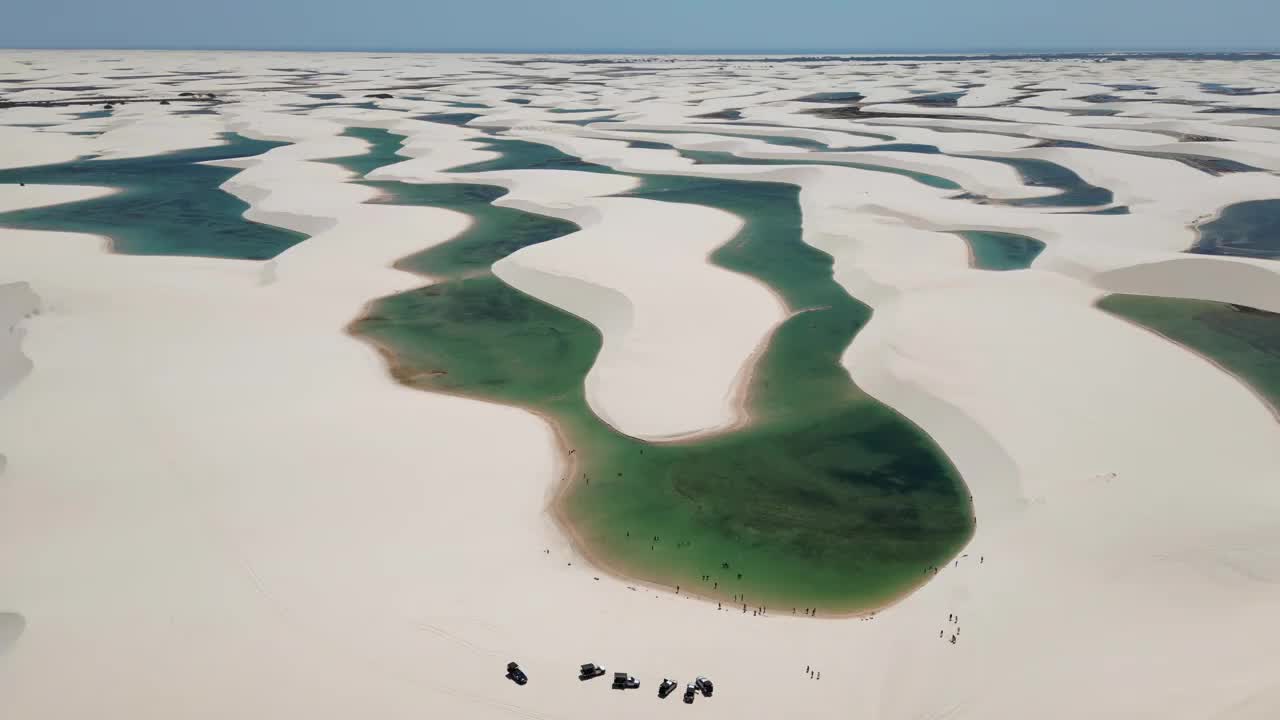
{"points": [[1243, 281], [651, 258], [11, 627], [217, 503], [17, 303], [645, 297], [638, 271], [28, 146], [1167, 537], [979, 176]]}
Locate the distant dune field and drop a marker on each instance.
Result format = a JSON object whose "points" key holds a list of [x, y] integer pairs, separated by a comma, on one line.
{"points": [[332, 383]]}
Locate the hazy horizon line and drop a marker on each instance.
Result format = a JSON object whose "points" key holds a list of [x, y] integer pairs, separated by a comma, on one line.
{"points": [[1057, 50]]}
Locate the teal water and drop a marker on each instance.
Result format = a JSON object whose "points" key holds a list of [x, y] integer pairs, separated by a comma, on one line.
{"points": [[1247, 229], [495, 231], [934, 99], [705, 157], [1118, 210], [788, 141], [165, 205], [858, 133], [1001, 251], [729, 114], [709, 157], [829, 498], [899, 147], [833, 97], [1244, 340], [779, 140], [583, 122], [1073, 191], [647, 145], [449, 118], [520, 155]]}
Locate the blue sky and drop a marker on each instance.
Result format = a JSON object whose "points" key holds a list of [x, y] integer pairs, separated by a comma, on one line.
{"points": [[657, 25]]}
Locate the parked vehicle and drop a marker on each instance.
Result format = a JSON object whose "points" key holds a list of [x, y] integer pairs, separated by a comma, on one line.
{"points": [[704, 684], [623, 681], [590, 670], [689, 694], [667, 687], [515, 674]]}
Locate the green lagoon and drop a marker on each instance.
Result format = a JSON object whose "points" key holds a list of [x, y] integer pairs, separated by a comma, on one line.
{"points": [[1245, 341], [166, 205], [829, 499], [1001, 251]]}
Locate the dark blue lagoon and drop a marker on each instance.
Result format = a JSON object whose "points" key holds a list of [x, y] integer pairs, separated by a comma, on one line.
{"points": [[1247, 229]]}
